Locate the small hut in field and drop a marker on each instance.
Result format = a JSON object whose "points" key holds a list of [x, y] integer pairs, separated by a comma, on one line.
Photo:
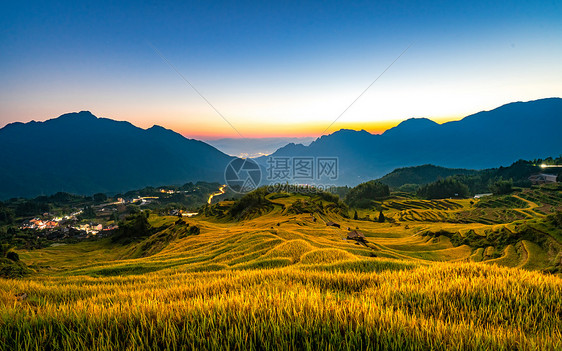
{"points": [[333, 224], [357, 236]]}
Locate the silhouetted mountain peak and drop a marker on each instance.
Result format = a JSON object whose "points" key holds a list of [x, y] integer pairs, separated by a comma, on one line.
{"points": [[481, 140], [350, 131], [292, 147], [82, 115], [11, 125], [342, 136], [156, 129], [94, 154], [346, 133], [72, 117], [411, 125]]}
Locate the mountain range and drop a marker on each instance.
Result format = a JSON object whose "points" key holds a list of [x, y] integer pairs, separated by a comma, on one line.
{"points": [[80, 153], [519, 130]]}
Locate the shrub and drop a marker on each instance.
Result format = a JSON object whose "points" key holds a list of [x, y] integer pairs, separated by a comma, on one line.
{"points": [[135, 227], [194, 230], [13, 256], [6, 215], [250, 203], [556, 219], [501, 186], [10, 269]]}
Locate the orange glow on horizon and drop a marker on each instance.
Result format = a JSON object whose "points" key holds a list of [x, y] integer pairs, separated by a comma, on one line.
{"points": [[203, 132], [212, 127]]}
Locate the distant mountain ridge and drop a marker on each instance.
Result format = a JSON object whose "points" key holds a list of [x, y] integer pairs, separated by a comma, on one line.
{"points": [[84, 154], [519, 130], [421, 175]]}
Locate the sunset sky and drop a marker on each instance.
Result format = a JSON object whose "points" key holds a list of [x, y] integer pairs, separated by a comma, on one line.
{"points": [[277, 69]]}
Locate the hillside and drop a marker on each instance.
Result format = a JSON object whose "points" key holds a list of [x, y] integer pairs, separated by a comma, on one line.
{"points": [[421, 175], [519, 130], [409, 179], [439, 275], [81, 153]]}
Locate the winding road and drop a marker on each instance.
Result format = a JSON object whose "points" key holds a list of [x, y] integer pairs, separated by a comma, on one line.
{"points": [[220, 192]]}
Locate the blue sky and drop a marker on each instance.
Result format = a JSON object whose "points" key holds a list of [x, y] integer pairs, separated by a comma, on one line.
{"points": [[281, 68]]}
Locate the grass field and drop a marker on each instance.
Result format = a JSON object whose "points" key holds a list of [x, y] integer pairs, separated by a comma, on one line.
{"points": [[438, 275]]}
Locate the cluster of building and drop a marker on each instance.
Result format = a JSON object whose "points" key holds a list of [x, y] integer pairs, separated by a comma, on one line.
{"points": [[94, 229], [40, 224], [543, 178], [57, 224], [182, 213], [171, 191]]}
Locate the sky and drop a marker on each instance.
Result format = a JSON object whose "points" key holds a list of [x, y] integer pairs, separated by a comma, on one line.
{"points": [[272, 69]]}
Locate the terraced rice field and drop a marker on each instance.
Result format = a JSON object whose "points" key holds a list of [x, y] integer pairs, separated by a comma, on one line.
{"points": [[288, 281]]}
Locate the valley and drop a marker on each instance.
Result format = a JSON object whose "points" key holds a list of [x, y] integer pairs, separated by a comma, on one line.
{"points": [[201, 175], [436, 274]]}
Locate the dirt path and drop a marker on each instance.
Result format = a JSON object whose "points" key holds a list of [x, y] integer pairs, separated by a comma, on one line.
{"points": [[532, 206]]}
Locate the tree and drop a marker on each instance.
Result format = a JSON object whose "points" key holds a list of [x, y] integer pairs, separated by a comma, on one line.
{"points": [[135, 227], [11, 255], [100, 197], [556, 219], [88, 212], [6, 215], [501, 186], [31, 208], [133, 209], [381, 217], [115, 216], [4, 248], [363, 195], [254, 201], [355, 216], [449, 187]]}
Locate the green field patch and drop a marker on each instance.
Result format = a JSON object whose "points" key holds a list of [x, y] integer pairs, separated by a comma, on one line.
{"points": [[450, 254], [505, 201], [124, 270], [536, 257], [264, 264], [509, 257], [477, 255]]}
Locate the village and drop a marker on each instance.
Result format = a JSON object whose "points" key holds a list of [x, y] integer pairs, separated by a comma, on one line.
{"points": [[100, 221], [73, 225], [68, 226]]}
